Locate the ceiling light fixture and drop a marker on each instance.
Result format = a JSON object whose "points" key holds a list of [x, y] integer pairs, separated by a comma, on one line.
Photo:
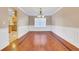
{"points": [[40, 14]]}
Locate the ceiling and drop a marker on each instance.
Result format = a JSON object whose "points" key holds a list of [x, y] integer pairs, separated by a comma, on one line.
{"points": [[34, 11]]}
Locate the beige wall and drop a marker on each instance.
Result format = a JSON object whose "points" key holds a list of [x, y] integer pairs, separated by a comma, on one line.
{"points": [[68, 16], [21, 17], [32, 18], [3, 17]]}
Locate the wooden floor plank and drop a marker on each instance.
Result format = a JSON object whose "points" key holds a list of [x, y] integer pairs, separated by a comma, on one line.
{"points": [[41, 41]]}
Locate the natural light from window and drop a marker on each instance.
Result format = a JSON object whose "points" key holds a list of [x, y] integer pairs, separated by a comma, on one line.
{"points": [[40, 22]]}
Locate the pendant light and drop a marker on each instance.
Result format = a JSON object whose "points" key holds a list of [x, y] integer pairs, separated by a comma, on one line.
{"points": [[40, 14]]}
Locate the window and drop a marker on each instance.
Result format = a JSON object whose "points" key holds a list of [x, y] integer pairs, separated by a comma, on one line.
{"points": [[40, 22]]}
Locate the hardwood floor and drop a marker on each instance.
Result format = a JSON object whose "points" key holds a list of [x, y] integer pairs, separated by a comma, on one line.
{"points": [[40, 41]]}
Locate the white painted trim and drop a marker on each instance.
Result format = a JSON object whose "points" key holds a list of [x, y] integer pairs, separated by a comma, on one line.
{"points": [[22, 10], [57, 10]]}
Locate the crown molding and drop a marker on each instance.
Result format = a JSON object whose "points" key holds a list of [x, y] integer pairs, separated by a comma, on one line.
{"points": [[51, 7], [57, 10], [22, 10]]}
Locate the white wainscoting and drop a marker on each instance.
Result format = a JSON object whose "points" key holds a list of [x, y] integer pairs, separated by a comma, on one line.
{"points": [[33, 28], [4, 38], [4, 35], [22, 30], [69, 34]]}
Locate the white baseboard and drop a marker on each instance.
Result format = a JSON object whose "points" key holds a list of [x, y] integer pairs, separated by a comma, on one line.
{"points": [[69, 34]]}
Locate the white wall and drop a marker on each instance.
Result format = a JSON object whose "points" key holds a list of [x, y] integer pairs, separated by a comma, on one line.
{"points": [[33, 28], [4, 38], [68, 33]]}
